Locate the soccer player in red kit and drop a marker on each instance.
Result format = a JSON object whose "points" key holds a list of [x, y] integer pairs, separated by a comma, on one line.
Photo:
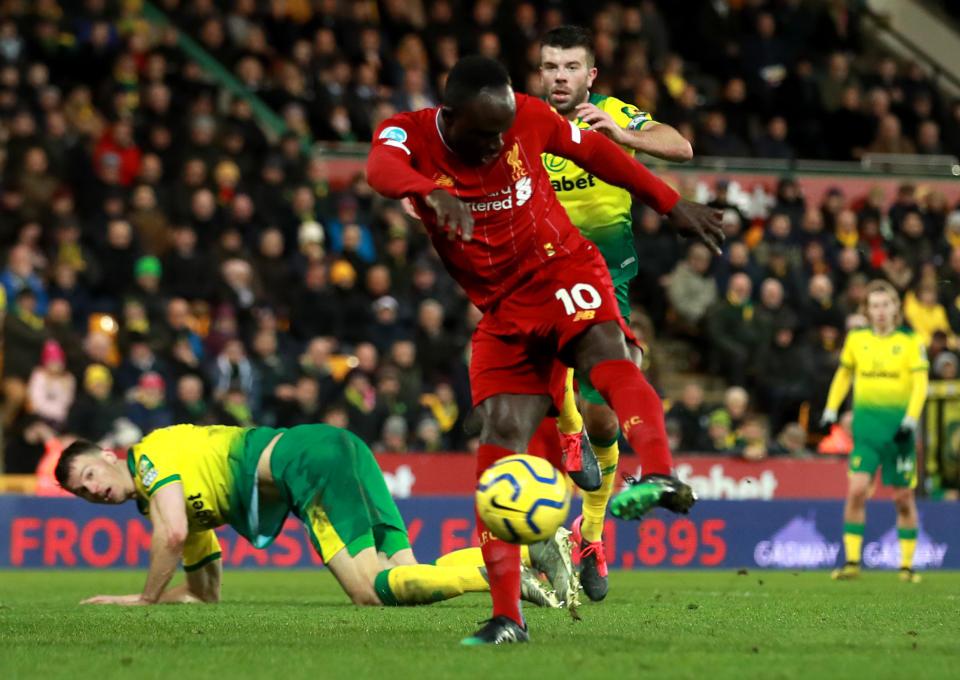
{"points": [[473, 172]]}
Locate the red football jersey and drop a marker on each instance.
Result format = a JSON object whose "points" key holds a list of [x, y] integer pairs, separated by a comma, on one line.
{"points": [[518, 222]]}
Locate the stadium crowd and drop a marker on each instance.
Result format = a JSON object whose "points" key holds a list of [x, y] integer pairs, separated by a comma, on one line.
{"points": [[164, 261]]}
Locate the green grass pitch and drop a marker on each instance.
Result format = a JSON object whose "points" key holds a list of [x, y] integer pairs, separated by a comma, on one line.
{"points": [[654, 624]]}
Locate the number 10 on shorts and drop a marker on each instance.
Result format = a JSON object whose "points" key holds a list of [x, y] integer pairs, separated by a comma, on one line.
{"points": [[582, 296]]}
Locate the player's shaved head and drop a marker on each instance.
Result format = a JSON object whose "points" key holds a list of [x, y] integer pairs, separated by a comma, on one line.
{"points": [[479, 107], [473, 77]]}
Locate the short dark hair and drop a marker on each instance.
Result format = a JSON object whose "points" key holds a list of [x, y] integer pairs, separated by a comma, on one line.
{"points": [[470, 76], [80, 447], [566, 37]]}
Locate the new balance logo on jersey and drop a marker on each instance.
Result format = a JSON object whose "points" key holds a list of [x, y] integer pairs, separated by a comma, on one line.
{"points": [[524, 190]]}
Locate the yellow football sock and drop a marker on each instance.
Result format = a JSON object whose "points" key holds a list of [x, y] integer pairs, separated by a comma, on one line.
{"points": [[569, 421], [472, 557], [595, 502], [852, 541], [908, 545], [467, 557], [426, 583]]}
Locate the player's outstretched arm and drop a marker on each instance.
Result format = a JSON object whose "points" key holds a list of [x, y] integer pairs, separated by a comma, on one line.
{"points": [[390, 173], [169, 518], [656, 139], [602, 157], [661, 141]]}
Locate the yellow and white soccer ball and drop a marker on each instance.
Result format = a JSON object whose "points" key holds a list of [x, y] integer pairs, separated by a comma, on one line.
{"points": [[522, 499]]}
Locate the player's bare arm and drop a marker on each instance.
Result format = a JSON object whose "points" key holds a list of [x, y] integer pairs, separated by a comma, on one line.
{"points": [[169, 536], [598, 155], [169, 518], [655, 139]]}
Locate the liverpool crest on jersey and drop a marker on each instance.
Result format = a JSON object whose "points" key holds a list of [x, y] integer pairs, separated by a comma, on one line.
{"points": [[517, 171]]}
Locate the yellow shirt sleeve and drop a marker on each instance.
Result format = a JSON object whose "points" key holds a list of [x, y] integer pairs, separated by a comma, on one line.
{"points": [[919, 367], [200, 549], [626, 115], [847, 358], [842, 379], [152, 470], [839, 387], [918, 358]]}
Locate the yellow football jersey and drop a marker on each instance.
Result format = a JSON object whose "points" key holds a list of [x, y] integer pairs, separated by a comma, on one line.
{"points": [[591, 203], [599, 210], [883, 369], [199, 459]]}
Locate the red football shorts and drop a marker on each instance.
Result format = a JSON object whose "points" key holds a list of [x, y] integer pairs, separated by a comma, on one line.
{"points": [[516, 343]]}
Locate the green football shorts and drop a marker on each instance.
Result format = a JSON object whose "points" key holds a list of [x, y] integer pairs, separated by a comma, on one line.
{"points": [[335, 487], [897, 460]]}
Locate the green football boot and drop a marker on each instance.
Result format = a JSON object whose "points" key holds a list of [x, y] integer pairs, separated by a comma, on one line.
{"points": [[651, 491]]}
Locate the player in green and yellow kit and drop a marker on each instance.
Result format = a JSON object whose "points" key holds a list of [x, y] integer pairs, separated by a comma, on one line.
{"points": [[189, 480], [888, 367], [602, 213]]}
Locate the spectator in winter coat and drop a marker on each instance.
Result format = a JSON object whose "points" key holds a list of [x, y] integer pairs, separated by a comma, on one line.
{"points": [[733, 330], [51, 389], [692, 290]]}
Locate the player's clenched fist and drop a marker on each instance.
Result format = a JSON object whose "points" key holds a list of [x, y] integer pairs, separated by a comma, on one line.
{"points": [[453, 215]]}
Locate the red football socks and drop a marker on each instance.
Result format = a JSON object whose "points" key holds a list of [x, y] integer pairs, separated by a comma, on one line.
{"points": [[639, 410], [501, 559]]}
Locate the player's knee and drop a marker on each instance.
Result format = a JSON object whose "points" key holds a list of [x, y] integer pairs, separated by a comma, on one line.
{"points": [[505, 428], [601, 342], [903, 500], [602, 425], [858, 493]]}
